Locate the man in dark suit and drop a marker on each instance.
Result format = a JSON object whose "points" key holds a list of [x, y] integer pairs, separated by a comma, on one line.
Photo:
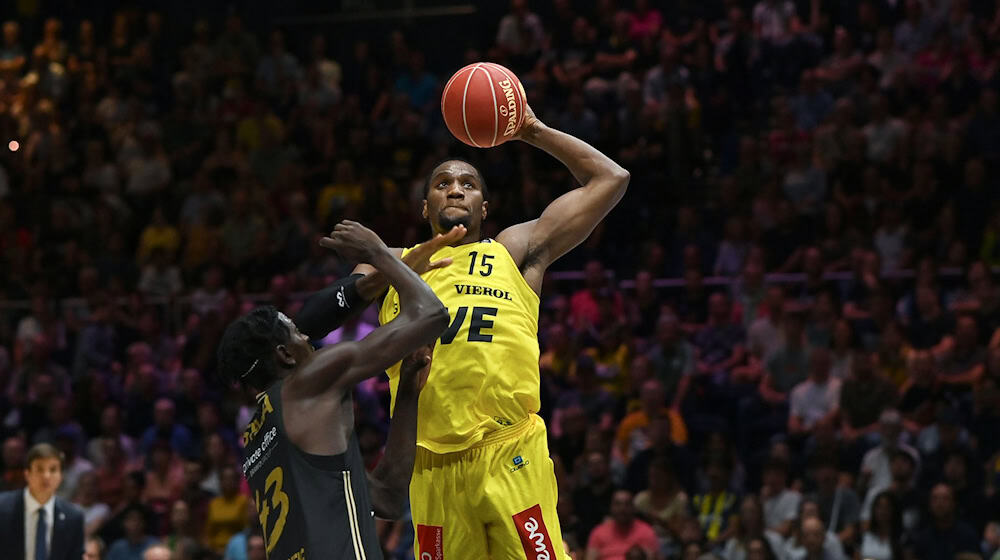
{"points": [[36, 524]]}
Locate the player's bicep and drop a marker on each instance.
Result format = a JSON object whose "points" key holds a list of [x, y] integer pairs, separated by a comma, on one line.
{"points": [[570, 219]]}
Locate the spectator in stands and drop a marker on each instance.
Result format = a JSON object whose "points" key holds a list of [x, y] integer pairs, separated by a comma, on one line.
{"points": [[964, 361], [883, 538], [788, 365], [720, 345], [632, 435], [69, 442], [936, 441], [717, 507], [764, 334], [594, 487], [95, 512], [672, 358], [520, 33], [945, 535], [749, 528], [226, 512], [839, 507], [181, 526], [111, 428], [876, 468], [662, 433], [863, 397], [238, 547], [664, 504], [816, 401], [93, 549], [157, 552], [586, 392], [780, 503], [810, 538], [14, 453], [614, 537], [166, 428], [136, 540], [644, 307], [584, 305]]}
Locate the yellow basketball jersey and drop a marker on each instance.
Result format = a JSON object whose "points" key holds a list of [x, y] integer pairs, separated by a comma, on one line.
{"points": [[484, 373]]}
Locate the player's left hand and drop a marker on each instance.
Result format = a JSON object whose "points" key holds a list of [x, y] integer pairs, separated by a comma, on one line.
{"points": [[354, 241], [414, 369], [418, 259]]}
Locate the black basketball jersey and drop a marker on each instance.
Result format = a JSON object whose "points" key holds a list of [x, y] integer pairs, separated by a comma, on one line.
{"points": [[311, 507]]}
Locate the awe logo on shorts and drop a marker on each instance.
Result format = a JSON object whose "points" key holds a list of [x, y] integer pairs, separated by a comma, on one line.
{"points": [[430, 539], [534, 536], [519, 463]]}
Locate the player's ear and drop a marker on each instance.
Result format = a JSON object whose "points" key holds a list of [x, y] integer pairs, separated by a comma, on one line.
{"points": [[486, 206], [284, 355], [423, 212]]}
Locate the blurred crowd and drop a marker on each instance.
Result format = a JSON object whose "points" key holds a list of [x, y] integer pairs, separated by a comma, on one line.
{"points": [[824, 382]]}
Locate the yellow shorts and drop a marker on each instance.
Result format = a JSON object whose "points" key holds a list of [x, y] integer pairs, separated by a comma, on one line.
{"points": [[495, 500]]}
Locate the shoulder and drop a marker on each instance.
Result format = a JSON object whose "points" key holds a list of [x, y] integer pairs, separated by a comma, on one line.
{"points": [[9, 499], [69, 508]]}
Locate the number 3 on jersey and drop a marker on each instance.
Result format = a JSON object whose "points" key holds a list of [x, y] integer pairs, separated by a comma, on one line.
{"points": [[279, 501]]}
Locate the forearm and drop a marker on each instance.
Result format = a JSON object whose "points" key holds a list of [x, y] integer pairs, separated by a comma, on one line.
{"points": [[328, 309], [372, 285], [415, 296], [394, 471], [583, 160]]}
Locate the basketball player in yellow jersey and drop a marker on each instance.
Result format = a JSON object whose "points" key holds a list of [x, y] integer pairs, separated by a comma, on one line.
{"points": [[483, 484]]}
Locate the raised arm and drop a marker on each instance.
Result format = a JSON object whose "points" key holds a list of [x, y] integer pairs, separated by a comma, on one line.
{"points": [[421, 320], [372, 283], [326, 310], [569, 219]]}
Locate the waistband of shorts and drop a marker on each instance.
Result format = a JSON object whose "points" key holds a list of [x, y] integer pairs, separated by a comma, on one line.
{"points": [[495, 437], [515, 430]]}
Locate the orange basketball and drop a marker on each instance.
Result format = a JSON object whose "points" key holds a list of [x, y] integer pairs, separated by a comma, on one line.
{"points": [[483, 104]]}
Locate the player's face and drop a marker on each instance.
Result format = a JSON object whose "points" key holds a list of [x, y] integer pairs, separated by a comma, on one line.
{"points": [[298, 344], [454, 197]]}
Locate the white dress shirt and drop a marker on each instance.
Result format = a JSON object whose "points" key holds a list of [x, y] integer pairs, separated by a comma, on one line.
{"points": [[31, 507]]}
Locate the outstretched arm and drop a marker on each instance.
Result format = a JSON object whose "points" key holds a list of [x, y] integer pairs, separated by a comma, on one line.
{"points": [[372, 283], [569, 219], [421, 320]]}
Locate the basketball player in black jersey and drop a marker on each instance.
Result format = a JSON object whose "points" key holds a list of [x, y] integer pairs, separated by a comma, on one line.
{"points": [[302, 458]]}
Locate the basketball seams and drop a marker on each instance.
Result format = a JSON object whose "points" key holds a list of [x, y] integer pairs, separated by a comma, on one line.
{"points": [[514, 81], [465, 121], [496, 110]]}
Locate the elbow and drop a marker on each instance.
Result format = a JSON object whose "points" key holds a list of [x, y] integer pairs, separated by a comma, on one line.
{"points": [[438, 317], [622, 178]]}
